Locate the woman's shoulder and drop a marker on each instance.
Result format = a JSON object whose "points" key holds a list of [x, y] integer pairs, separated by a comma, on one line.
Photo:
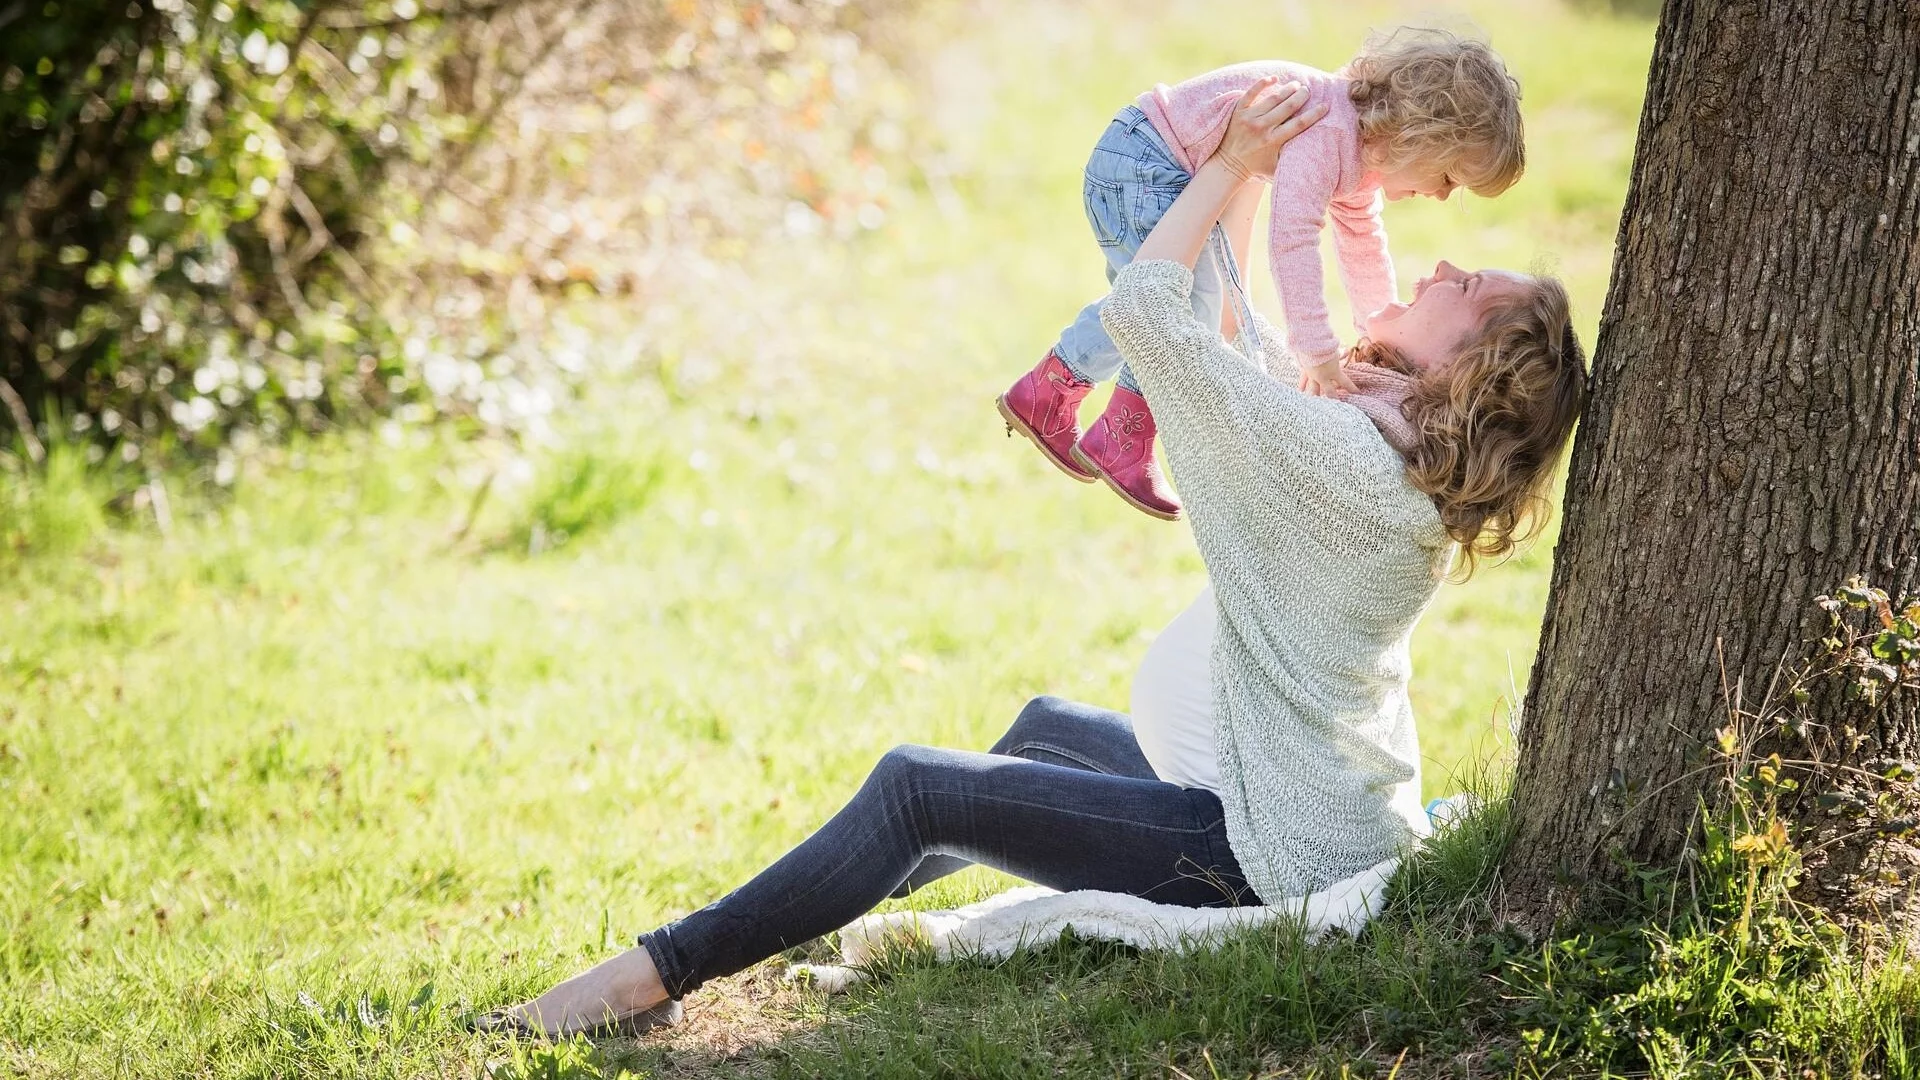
{"points": [[1381, 469], [1414, 510], [1356, 482], [1369, 474]]}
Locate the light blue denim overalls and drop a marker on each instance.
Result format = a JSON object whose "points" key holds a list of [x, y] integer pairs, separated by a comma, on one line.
{"points": [[1131, 180]]}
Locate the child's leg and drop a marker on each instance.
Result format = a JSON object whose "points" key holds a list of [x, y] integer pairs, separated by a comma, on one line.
{"points": [[1130, 172], [1131, 179], [1084, 344], [1119, 447], [1209, 292]]}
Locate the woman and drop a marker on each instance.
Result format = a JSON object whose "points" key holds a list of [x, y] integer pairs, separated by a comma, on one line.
{"points": [[1326, 530]]}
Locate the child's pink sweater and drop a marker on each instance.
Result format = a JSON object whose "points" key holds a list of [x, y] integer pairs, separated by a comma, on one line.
{"points": [[1319, 177]]}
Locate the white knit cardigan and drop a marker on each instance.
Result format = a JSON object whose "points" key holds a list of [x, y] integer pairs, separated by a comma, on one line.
{"points": [[1322, 558]]}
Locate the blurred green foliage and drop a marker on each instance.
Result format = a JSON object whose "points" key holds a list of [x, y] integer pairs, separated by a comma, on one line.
{"points": [[582, 492], [226, 221], [187, 186], [60, 515]]}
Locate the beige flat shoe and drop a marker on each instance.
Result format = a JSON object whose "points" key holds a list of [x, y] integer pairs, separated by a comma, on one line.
{"points": [[629, 1025]]}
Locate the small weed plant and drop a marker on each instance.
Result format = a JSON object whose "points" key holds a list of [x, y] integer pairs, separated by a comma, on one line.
{"points": [[1727, 968]]}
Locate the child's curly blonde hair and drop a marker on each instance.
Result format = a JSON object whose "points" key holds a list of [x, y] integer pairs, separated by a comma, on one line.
{"points": [[1433, 97], [1492, 424]]}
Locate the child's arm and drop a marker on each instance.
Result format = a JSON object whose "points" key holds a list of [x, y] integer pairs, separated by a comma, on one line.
{"points": [[1360, 243], [1303, 187]]}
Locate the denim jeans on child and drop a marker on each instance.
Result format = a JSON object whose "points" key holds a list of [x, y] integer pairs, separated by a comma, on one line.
{"points": [[1131, 180], [1065, 799]]}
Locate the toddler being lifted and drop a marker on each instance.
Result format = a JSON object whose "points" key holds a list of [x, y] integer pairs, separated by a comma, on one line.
{"points": [[1418, 112]]}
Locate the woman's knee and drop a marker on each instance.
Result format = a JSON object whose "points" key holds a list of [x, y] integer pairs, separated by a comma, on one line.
{"points": [[900, 769], [906, 788], [1044, 720]]}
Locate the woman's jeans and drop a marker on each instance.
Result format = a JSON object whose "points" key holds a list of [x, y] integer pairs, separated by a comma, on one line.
{"points": [[1132, 178], [1065, 799]]}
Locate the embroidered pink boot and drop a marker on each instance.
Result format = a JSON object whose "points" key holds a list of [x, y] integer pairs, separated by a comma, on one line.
{"points": [[1045, 407], [1119, 450]]}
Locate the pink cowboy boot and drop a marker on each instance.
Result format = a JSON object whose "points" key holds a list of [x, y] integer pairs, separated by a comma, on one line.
{"points": [[1045, 407], [1119, 450]]}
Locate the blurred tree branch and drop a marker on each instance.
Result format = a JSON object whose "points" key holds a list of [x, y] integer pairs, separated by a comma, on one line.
{"points": [[350, 22], [18, 410]]}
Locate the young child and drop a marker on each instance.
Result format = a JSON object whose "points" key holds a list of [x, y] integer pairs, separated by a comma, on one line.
{"points": [[1418, 112]]}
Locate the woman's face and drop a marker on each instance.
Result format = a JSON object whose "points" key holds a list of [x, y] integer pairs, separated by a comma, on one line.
{"points": [[1447, 307]]}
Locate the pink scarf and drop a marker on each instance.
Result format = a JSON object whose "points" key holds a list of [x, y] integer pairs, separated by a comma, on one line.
{"points": [[1382, 393]]}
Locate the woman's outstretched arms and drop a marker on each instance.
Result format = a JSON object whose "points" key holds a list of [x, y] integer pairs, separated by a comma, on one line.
{"points": [[1236, 437]]}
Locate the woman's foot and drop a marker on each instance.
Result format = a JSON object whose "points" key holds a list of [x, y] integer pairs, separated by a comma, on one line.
{"points": [[621, 996], [1119, 450], [1045, 407]]}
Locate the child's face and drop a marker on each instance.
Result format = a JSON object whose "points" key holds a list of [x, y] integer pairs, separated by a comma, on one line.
{"points": [[1434, 183], [1447, 307]]}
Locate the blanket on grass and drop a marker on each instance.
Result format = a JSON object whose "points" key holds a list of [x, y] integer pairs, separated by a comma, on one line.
{"points": [[997, 926]]}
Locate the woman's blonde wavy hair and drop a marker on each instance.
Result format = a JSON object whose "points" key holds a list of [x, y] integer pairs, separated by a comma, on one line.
{"points": [[1492, 424], [1437, 99]]}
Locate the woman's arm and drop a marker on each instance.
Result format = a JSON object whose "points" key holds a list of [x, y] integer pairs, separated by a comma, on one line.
{"points": [[1236, 437], [1238, 221]]}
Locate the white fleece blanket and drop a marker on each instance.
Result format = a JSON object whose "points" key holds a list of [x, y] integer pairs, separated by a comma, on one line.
{"points": [[998, 925]]}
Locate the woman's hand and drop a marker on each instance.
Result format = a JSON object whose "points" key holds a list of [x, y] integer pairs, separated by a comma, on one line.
{"points": [[1268, 116]]}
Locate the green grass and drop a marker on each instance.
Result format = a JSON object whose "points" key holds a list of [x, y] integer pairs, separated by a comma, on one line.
{"points": [[352, 748]]}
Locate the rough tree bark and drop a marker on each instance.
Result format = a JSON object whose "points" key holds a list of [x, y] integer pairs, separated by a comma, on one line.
{"points": [[1754, 432]]}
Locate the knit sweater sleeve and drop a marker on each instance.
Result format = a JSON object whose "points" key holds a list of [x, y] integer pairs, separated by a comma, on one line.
{"points": [[1275, 358], [1236, 436]]}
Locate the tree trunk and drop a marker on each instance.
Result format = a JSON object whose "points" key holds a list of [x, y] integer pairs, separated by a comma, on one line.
{"points": [[1753, 437]]}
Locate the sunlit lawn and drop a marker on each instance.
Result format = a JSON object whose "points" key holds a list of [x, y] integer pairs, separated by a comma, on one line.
{"points": [[288, 790]]}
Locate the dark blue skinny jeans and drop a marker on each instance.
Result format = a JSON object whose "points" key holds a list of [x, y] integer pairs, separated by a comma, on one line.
{"points": [[1065, 799]]}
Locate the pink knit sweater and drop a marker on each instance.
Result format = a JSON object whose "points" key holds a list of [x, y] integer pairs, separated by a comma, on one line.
{"points": [[1319, 177]]}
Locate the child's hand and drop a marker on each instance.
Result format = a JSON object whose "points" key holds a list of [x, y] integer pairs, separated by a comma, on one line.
{"points": [[1327, 379], [1268, 116]]}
